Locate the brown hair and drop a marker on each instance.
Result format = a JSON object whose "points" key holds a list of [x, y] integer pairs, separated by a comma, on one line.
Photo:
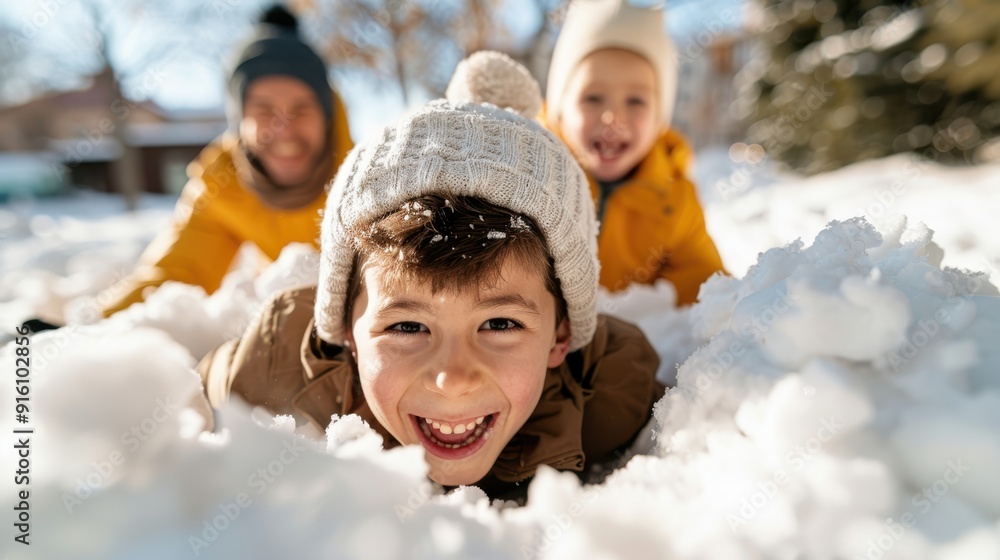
{"points": [[453, 243]]}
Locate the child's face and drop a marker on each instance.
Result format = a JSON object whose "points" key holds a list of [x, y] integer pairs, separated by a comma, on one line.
{"points": [[458, 373], [609, 117]]}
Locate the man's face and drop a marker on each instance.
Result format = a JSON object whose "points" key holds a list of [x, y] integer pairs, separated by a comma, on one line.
{"points": [[458, 373], [609, 116], [285, 127]]}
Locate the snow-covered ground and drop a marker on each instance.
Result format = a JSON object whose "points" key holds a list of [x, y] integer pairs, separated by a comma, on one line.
{"points": [[839, 398]]}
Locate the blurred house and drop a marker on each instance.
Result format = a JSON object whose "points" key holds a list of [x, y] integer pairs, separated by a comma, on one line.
{"points": [[81, 132]]}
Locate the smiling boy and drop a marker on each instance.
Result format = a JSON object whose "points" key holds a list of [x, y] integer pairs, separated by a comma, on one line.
{"points": [[455, 308], [449, 343], [611, 90]]}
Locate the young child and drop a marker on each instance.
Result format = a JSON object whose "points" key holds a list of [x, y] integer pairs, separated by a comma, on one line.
{"points": [[455, 308], [611, 89]]}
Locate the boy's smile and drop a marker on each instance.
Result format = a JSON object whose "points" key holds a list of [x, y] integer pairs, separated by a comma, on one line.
{"points": [[454, 440], [609, 118], [458, 373]]}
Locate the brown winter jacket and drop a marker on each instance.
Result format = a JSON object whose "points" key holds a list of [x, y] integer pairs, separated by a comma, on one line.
{"points": [[591, 406]]}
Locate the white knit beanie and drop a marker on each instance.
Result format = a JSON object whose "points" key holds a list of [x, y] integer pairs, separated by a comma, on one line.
{"points": [[460, 148], [592, 25]]}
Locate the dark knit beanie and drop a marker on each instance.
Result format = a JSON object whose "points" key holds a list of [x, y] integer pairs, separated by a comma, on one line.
{"points": [[277, 49]]}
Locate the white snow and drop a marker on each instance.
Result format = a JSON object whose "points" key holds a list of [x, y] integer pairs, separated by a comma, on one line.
{"points": [[751, 208], [839, 398]]}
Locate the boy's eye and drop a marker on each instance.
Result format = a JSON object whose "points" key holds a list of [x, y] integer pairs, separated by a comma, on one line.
{"points": [[637, 101], [592, 98], [408, 327], [502, 325]]}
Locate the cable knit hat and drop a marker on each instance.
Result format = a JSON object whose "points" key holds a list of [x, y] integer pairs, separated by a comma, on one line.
{"points": [[462, 148], [592, 25]]}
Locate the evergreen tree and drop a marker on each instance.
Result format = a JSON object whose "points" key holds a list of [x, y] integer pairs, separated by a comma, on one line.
{"points": [[846, 80]]}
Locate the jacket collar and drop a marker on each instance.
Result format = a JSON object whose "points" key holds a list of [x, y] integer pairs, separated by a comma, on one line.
{"points": [[551, 436]]}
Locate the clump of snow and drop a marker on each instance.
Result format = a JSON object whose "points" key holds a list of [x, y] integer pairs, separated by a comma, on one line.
{"points": [[201, 322], [98, 391], [517, 223], [297, 266], [793, 410], [350, 436]]}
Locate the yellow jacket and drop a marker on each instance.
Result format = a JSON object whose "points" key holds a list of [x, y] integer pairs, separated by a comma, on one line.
{"points": [[216, 214], [653, 226]]}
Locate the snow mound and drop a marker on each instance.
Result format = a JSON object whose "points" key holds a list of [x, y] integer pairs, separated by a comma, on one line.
{"points": [[58, 251], [840, 401], [848, 408], [201, 322]]}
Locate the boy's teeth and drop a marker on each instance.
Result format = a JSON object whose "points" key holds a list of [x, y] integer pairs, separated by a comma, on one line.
{"points": [[475, 429], [447, 429]]}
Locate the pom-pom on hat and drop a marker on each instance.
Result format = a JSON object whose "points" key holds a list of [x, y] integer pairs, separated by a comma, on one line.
{"points": [[458, 147], [592, 25], [495, 78]]}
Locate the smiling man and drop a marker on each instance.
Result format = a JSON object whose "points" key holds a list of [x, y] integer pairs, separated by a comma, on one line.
{"points": [[264, 181]]}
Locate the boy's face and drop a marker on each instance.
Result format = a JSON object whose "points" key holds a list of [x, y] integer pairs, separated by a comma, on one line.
{"points": [[458, 373], [284, 125], [609, 117]]}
